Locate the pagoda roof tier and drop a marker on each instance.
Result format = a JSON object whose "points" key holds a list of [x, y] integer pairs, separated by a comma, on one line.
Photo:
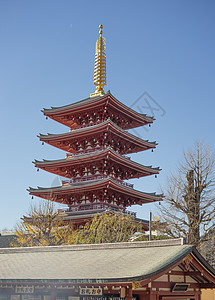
{"points": [[106, 190], [81, 218], [96, 137], [90, 110], [106, 160]]}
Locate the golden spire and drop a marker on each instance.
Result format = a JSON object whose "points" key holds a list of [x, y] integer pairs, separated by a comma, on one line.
{"points": [[100, 65]]}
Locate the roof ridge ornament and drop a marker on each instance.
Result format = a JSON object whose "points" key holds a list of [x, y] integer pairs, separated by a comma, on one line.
{"points": [[100, 65]]}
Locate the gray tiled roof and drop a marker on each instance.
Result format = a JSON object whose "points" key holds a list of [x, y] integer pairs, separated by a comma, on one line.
{"points": [[120, 261]]}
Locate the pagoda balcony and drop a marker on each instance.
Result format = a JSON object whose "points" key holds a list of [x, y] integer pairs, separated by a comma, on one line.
{"points": [[87, 151], [91, 179], [90, 151], [84, 125], [95, 208]]}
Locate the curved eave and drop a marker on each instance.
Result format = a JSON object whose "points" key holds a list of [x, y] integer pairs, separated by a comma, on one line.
{"points": [[204, 264], [108, 183], [56, 113], [157, 271], [98, 128], [109, 154], [200, 263]]}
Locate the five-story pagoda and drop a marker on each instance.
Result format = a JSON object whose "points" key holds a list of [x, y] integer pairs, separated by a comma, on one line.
{"points": [[97, 143]]}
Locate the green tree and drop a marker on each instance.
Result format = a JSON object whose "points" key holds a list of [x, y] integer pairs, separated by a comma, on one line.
{"points": [[43, 226], [107, 228]]}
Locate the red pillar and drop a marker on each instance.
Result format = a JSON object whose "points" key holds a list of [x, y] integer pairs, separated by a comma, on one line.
{"points": [[53, 294], [153, 297], [198, 296], [128, 294]]}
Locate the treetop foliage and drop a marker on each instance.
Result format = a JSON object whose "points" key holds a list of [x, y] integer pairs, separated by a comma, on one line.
{"points": [[107, 228], [42, 227]]}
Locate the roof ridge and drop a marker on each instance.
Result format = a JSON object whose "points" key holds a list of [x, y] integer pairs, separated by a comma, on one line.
{"points": [[102, 246]]}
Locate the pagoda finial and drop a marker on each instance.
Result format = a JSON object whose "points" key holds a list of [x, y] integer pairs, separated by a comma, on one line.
{"points": [[100, 65]]}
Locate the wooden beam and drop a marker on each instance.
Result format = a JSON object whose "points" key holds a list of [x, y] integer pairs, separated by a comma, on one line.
{"points": [[161, 284], [182, 273]]}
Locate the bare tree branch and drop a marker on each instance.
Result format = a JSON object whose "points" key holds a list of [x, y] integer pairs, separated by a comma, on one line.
{"points": [[188, 209]]}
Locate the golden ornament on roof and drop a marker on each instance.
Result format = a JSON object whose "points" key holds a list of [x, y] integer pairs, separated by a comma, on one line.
{"points": [[100, 65]]}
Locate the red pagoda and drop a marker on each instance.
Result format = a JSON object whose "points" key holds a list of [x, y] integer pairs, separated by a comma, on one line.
{"points": [[96, 146]]}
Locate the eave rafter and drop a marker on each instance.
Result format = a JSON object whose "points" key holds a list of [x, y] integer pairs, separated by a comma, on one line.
{"points": [[91, 110], [98, 137]]}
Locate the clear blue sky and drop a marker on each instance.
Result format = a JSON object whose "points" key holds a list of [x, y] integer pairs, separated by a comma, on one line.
{"points": [[46, 59]]}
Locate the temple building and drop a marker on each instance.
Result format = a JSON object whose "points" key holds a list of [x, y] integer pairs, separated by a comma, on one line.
{"points": [[154, 270], [97, 166]]}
